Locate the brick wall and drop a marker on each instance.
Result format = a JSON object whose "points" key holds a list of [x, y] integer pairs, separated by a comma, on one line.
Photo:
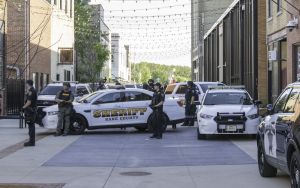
{"points": [[262, 53], [278, 20], [293, 39]]}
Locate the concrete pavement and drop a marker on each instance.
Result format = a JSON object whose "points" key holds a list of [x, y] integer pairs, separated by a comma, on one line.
{"points": [[31, 165]]}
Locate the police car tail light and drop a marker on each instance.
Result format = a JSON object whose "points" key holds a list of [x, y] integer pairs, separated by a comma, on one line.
{"points": [[253, 116], [205, 116], [52, 113]]}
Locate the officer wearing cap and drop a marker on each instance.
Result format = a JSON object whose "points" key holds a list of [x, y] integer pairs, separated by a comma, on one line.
{"points": [[29, 109], [190, 107], [149, 86], [157, 106], [64, 98]]}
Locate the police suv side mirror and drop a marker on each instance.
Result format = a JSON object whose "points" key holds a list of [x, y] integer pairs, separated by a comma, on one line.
{"points": [[257, 102]]}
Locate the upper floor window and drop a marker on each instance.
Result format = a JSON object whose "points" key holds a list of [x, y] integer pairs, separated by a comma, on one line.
{"points": [[66, 6], [71, 8], [270, 9], [60, 4], [279, 5], [66, 56]]}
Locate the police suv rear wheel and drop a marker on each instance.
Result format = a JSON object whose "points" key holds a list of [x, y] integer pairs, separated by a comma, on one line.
{"points": [[295, 171], [78, 125], [265, 169]]}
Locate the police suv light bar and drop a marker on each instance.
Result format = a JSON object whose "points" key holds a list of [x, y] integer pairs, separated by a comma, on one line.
{"points": [[226, 87]]}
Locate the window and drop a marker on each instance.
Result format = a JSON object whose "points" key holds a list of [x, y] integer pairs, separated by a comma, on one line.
{"points": [[71, 8], [290, 104], [136, 96], [111, 98], [281, 101], [66, 6], [67, 75], [53, 90], [279, 5], [57, 77], [66, 56], [181, 89], [170, 89], [55, 2], [270, 9], [60, 4]]}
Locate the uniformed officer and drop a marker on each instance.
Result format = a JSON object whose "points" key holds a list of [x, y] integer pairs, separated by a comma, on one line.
{"points": [[64, 99], [29, 109], [190, 107], [149, 86], [157, 106]]}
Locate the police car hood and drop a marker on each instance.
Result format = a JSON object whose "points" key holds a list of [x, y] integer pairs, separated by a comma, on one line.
{"points": [[214, 109], [54, 108], [46, 97]]}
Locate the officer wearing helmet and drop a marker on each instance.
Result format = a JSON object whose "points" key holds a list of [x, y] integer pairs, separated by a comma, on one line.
{"points": [[190, 107], [64, 98], [157, 115]]}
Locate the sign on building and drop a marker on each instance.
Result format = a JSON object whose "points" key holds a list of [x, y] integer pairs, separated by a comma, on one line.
{"points": [[273, 55]]}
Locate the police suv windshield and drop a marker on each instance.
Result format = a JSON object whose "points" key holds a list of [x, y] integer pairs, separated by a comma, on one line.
{"points": [[53, 90], [89, 98], [204, 87], [227, 98]]}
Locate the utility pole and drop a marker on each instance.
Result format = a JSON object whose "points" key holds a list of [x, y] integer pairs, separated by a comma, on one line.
{"points": [[26, 37]]}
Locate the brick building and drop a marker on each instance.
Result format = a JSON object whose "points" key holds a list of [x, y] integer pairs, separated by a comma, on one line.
{"points": [[235, 48], [34, 60]]}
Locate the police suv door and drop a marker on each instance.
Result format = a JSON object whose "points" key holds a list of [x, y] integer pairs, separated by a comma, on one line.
{"points": [[104, 111], [137, 104], [284, 123], [272, 140]]}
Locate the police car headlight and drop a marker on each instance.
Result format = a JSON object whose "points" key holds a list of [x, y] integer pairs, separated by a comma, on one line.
{"points": [[253, 116], [52, 113], [205, 116]]}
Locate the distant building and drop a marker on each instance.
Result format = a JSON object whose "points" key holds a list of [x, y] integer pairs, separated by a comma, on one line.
{"points": [[120, 59], [235, 48], [204, 15], [105, 38]]}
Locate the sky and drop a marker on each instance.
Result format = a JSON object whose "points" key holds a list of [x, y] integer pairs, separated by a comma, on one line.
{"points": [[157, 31]]}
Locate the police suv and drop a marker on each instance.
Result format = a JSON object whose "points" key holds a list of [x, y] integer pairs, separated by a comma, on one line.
{"points": [[115, 108], [279, 136], [227, 110]]}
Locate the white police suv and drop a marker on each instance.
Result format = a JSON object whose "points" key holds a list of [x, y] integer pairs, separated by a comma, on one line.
{"points": [[227, 110], [115, 108]]}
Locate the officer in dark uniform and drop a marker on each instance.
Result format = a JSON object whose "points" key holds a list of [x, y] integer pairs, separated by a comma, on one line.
{"points": [[64, 99], [157, 106], [190, 107], [29, 109], [149, 86]]}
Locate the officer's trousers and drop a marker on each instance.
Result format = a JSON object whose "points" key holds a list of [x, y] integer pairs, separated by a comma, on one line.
{"points": [[157, 122], [190, 110], [31, 132], [64, 119]]}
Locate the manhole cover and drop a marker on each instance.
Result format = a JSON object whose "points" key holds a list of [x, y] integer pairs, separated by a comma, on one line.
{"points": [[135, 173]]}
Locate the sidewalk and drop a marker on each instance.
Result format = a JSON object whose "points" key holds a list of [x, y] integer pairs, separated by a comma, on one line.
{"points": [[11, 134]]}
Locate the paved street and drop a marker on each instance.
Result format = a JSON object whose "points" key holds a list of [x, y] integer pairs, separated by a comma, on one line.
{"points": [[115, 158]]}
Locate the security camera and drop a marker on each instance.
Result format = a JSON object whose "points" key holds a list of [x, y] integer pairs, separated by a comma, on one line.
{"points": [[292, 24]]}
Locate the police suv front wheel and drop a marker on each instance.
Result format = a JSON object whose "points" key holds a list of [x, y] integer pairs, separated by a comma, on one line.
{"points": [[265, 169], [78, 125]]}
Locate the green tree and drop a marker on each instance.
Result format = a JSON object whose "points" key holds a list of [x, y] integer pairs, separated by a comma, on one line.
{"points": [[91, 54]]}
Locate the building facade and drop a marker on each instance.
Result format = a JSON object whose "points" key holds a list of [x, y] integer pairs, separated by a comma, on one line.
{"points": [[235, 48], [62, 40], [120, 59], [203, 15]]}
